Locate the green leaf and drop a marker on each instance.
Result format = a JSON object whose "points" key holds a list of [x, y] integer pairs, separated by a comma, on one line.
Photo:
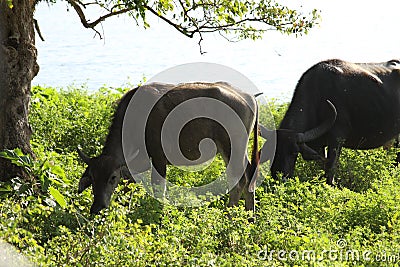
{"points": [[18, 158], [10, 4], [58, 197]]}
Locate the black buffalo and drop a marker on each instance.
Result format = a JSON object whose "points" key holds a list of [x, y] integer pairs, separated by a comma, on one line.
{"points": [[366, 97], [149, 151]]}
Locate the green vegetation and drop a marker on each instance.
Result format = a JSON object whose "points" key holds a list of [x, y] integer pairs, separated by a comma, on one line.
{"points": [[302, 222]]}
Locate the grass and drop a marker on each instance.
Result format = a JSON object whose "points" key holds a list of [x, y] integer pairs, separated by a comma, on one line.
{"points": [[302, 222]]}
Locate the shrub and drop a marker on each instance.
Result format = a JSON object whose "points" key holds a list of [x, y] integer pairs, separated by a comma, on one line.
{"points": [[303, 218]]}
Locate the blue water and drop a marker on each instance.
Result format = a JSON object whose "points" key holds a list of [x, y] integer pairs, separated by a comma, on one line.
{"points": [[351, 30]]}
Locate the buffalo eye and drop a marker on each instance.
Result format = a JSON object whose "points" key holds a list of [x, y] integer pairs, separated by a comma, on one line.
{"points": [[113, 179]]}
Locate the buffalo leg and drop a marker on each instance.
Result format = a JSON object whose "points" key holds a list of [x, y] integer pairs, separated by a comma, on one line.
{"points": [[331, 162], [242, 188], [158, 173], [250, 200], [249, 197], [322, 152], [236, 175], [236, 192]]}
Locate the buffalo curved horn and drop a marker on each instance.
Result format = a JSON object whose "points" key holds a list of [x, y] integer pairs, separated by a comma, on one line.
{"points": [[131, 156], [320, 129], [84, 182], [83, 156]]}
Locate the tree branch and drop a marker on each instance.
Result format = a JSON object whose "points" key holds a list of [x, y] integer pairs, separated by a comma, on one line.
{"points": [[199, 43], [38, 29], [182, 30], [203, 17], [92, 25]]}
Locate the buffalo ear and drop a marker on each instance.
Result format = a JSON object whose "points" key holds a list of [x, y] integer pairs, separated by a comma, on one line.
{"points": [[84, 182], [308, 153], [126, 173], [83, 156]]}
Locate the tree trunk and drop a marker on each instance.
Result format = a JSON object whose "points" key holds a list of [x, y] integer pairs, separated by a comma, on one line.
{"points": [[18, 67]]}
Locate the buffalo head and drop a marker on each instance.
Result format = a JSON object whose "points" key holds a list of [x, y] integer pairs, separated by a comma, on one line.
{"points": [[290, 143], [103, 173]]}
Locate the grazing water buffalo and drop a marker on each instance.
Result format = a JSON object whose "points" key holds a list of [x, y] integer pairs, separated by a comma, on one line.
{"points": [[367, 101], [150, 150]]}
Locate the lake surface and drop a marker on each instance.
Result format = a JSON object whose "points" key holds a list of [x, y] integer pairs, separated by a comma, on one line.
{"points": [[351, 30]]}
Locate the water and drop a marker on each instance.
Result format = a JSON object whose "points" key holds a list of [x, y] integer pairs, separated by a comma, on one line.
{"points": [[352, 30]]}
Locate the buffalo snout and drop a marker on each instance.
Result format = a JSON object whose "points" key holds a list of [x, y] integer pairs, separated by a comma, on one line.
{"points": [[96, 208]]}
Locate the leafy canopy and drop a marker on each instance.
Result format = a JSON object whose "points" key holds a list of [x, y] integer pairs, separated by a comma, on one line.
{"points": [[234, 20]]}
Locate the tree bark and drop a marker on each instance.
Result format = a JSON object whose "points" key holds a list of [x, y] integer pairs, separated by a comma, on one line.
{"points": [[18, 66]]}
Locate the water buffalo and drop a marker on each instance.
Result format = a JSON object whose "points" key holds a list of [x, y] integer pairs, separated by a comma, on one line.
{"points": [[367, 101], [150, 151]]}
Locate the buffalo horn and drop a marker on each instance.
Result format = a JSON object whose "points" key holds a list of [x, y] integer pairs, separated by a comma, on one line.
{"points": [[84, 182], [132, 156], [320, 129], [83, 156]]}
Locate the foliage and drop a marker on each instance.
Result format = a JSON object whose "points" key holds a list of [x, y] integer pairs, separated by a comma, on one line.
{"points": [[51, 109], [235, 20], [302, 222], [49, 177], [10, 3]]}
